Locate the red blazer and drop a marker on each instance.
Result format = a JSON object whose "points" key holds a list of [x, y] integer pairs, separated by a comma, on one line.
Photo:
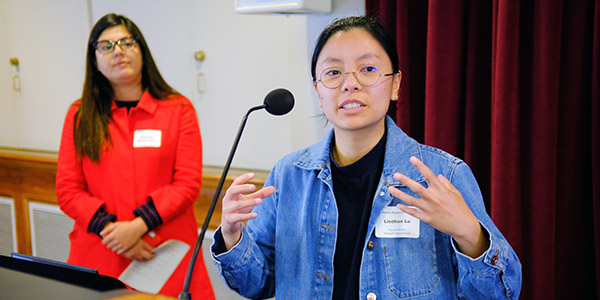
{"points": [[168, 169]]}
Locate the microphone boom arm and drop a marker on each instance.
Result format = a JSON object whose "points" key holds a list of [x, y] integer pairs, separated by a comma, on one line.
{"points": [[186, 285]]}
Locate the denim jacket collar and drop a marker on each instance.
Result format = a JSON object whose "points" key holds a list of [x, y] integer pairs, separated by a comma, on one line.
{"points": [[317, 156]]}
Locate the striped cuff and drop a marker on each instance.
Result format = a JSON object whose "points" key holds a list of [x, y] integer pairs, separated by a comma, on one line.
{"points": [[149, 214], [99, 220]]}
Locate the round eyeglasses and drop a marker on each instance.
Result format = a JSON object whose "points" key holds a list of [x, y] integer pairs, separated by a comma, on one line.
{"points": [[366, 75], [105, 47]]}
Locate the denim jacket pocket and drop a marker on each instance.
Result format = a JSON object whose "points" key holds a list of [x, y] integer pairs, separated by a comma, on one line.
{"points": [[411, 268], [412, 271]]}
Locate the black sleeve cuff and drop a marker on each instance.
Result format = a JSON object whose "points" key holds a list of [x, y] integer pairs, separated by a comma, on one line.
{"points": [[99, 220], [149, 214], [219, 243]]}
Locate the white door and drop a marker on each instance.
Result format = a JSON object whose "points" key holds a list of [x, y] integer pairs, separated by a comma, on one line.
{"points": [[48, 39]]}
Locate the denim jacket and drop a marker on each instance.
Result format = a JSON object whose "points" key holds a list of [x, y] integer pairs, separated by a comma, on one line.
{"points": [[288, 250]]}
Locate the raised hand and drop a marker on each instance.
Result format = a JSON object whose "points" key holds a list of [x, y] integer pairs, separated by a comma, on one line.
{"points": [[442, 206], [240, 198]]}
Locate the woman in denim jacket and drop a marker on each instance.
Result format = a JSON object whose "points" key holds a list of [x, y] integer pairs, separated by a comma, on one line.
{"points": [[367, 212]]}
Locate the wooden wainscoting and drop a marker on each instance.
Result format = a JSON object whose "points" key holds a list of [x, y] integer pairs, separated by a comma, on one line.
{"points": [[28, 176]]}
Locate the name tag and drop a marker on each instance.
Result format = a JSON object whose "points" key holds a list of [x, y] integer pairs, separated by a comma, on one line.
{"points": [[394, 223], [147, 138]]}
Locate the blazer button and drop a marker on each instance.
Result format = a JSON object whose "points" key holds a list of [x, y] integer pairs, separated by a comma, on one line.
{"points": [[371, 296], [370, 247]]}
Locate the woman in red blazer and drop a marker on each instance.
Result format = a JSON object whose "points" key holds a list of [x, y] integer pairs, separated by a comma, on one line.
{"points": [[130, 161]]}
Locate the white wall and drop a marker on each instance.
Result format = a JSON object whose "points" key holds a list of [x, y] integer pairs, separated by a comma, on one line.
{"points": [[247, 55]]}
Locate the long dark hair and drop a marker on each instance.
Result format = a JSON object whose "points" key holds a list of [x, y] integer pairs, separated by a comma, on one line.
{"points": [[370, 25], [91, 119]]}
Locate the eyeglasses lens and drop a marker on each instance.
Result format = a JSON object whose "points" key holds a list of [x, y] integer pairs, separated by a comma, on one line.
{"points": [[365, 74], [126, 44]]}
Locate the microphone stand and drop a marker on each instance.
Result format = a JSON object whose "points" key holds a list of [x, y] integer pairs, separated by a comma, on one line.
{"points": [[186, 285]]}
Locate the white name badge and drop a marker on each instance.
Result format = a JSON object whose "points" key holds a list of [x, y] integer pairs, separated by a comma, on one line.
{"points": [[394, 223], [147, 138]]}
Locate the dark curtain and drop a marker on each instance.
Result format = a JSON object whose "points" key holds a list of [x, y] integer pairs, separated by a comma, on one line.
{"points": [[512, 87]]}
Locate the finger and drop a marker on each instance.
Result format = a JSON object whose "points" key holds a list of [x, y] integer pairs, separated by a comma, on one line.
{"points": [[243, 179], [149, 255], [145, 255], [107, 240], [413, 211], [108, 229], [121, 250], [114, 246], [425, 171], [113, 249], [410, 200], [411, 184], [147, 247], [239, 189], [264, 192], [230, 203], [447, 183], [138, 257], [241, 205], [237, 218]]}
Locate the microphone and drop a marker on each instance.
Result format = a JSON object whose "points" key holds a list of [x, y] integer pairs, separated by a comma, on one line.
{"points": [[277, 102]]}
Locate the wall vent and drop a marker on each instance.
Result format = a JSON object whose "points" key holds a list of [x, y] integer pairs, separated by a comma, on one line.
{"points": [[50, 229], [8, 231]]}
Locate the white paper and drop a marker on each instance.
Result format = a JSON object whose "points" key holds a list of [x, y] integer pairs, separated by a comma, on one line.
{"points": [[150, 276]]}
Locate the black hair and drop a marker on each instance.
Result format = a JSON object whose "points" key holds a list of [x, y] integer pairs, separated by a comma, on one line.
{"points": [[370, 25]]}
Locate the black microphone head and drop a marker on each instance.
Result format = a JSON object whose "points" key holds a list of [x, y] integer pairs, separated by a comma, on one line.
{"points": [[279, 102]]}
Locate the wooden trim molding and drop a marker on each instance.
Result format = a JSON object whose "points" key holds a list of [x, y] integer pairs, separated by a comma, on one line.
{"points": [[27, 176]]}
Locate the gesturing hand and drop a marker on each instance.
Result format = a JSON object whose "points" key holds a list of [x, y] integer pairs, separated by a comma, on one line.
{"points": [[237, 207], [442, 206]]}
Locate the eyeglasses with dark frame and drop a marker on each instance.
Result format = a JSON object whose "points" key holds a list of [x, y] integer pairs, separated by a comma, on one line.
{"points": [[108, 46], [366, 75]]}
